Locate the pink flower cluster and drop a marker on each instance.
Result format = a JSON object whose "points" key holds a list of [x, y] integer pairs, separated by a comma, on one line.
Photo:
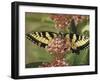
{"points": [[61, 21], [58, 46], [56, 63]]}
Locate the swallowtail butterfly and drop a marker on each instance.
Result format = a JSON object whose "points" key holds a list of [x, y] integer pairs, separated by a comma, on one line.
{"points": [[42, 39]]}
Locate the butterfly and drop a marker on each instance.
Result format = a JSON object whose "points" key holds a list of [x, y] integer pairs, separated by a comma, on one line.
{"points": [[43, 38]]}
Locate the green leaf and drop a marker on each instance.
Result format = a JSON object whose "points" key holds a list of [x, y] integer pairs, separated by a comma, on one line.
{"points": [[83, 26], [78, 59], [34, 53], [73, 28], [33, 65]]}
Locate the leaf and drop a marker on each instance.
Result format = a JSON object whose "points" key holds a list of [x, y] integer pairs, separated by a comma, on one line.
{"points": [[34, 53], [78, 59], [86, 33], [33, 65], [83, 26], [73, 28], [41, 54]]}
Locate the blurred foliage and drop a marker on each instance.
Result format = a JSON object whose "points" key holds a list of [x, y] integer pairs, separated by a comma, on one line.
{"points": [[35, 55], [78, 59]]}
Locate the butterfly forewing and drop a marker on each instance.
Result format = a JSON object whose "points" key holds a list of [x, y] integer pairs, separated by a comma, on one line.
{"points": [[77, 41], [42, 39]]}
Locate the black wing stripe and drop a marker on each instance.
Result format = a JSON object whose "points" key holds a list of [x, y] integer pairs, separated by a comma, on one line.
{"points": [[34, 33], [77, 38], [81, 38], [39, 34], [83, 46], [71, 37], [44, 35], [51, 34]]}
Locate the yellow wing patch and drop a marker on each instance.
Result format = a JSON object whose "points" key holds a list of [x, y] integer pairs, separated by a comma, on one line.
{"points": [[48, 35], [81, 42], [41, 39], [74, 38]]}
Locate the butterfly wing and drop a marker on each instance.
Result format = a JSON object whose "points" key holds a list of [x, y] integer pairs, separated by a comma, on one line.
{"points": [[77, 42], [41, 39]]}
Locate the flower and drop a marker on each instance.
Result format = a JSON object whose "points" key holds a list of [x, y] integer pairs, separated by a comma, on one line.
{"points": [[59, 46], [61, 20], [55, 63], [79, 18]]}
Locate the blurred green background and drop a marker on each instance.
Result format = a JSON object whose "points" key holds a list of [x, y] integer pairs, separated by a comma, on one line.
{"points": [[34, 55]]}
